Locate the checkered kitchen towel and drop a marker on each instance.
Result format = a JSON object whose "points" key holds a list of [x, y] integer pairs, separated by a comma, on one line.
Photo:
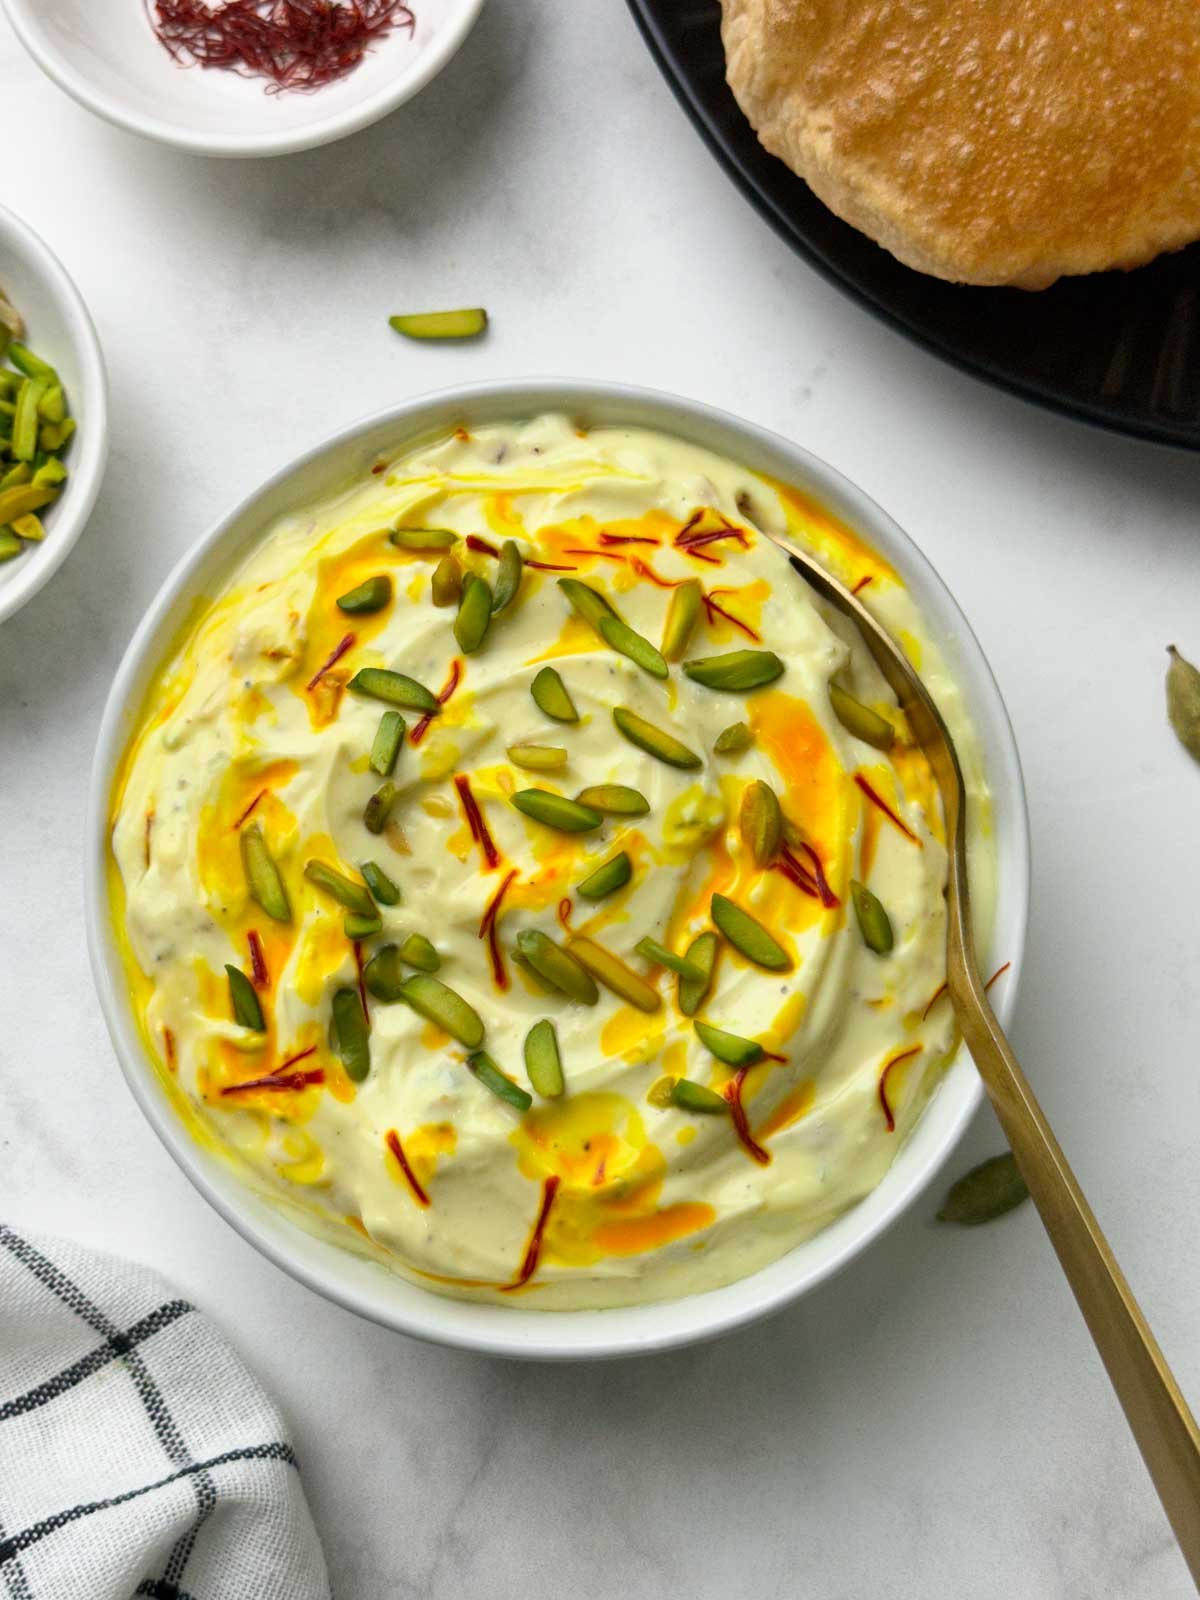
{"points": [[137, 1454]]}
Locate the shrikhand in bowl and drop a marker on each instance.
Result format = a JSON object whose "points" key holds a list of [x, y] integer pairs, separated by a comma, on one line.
{"points": [[514, 875]]}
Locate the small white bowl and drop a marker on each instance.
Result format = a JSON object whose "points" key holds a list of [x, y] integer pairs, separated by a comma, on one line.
{"points": [[363, 1285], [59, 329], [105, 54]]}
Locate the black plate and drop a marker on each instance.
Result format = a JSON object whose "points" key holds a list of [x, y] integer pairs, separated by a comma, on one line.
{"points": [[1118, 349]]}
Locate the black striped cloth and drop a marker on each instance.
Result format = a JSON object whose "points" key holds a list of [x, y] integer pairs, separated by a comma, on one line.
{"points": [[138, 1456]]}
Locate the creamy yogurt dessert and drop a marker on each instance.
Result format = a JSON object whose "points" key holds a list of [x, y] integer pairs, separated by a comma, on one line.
{"points": [[522, 875]]}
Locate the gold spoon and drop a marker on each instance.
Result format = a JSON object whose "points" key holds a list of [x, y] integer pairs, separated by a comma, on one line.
{"points": [[1155, 1409]]}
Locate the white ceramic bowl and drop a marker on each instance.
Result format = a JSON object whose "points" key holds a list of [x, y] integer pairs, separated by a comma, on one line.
{"points": [[57, 327], [363, 1285], [104, 53]]}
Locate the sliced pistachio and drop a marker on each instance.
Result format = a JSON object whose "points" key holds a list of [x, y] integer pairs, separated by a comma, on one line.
{"points": [[500, 1084], [542, 1060], [445, 586], [384, 975], [659, 1093], [371, 595], [553, 964], [761, 822], [689, 1096], [350, 1034], [873, 921], [615, 800], [474, 614], [683, 613], [748, 936], [508, 575], [423, 539], [613, 973], [344, 890], [607, 879], [262, 875], [438, 1003], [464, 324], [394, 689], [860, 720], [985, 1193], [10, 545], [532, 973], [556, 811], [380, 885], [733, 739], [358, 927], [628, 642], [386, 745], [379, 808], [245, 1002], [662, 957], [653, 740], [590, 603], [420, 953], [1183, 701], [537, 757], [551, 698], [701, 953], [737, 672], [730, 1048]]}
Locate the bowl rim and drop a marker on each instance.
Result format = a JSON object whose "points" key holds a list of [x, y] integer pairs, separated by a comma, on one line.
{"points": [[366, 1287], [90, 455], [324, 130]]}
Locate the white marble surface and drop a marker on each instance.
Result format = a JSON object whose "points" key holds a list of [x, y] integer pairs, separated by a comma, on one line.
{"points": [[932, 1423]]}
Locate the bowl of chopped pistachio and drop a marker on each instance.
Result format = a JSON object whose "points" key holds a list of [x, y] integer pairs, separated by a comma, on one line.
{"points": [[53, 414]]}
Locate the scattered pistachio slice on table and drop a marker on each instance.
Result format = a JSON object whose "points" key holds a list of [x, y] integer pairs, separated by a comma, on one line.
{"points": [[344, 890], [508, 575], [537, 757], [262, 875], [369, 596], [386, 745], [394, 689], [438, 1003], [500, 1084], [860, 720], [356, 926], [445, 586], [614, 974], [733, 739], [615, 800], [683, 612], [556, 967], [651, 950], [380, 885], [423, 540], [556, 811], [419, 952], [761, 822], [730, 1048], [736, 672], [689, 1096], [351, 1035], [379, 808], [701, 953], [465, 323], [551, 698], [474, 614], [614, 874], [985, 1193], [542, 1060], [873, 921], [653, 740], [748, 936], [628, 642], [245, 1002], [1183, 701], [384, 975]]}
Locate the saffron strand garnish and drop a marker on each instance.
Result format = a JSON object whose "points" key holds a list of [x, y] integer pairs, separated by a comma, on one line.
{"points": [[788, 867], [625, 538], [248, 812], [741, 1123], [645, 570], [550, 566], [149, 829], [714, 610], [534, 1248], [942, 987], [474, 542], [478, 827], [338, 652], [301, 1055], [564, 913], [392, 1141], [259, 975], [905, 1055], [877, 800], [598, 555], [488, 931], [862, 584], [169, 1048], [828, 899], [421, 726], [291, 1081]]}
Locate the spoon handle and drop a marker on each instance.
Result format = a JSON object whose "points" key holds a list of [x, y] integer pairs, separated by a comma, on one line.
{"points": [[1157, 1413]]}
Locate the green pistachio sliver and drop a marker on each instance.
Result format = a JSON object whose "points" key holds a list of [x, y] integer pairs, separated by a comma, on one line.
{"points": [[445, 586], [423, 539], [683, 612], [436, 1002], [52, 407], [394, 689], [662, 957], [556, 811], [500, 1084], [760, 820], [420, 953], [737, 672], [615, 800], [659, 1093], [748, 936], [730, 1048], [733, 739], [985, 1193], [370, 595], [386, 745], [689, 1096], [262, 875], [590, 603], [358, 927], [380, 885], [554, 966], [628, 642], [653, 740], [873, 921], [860, 720], [508, 575], [1183, 701], [344, 890], [10, 545], [532, 973], [537, 757], [379, 808], [462, 324], [23, 445], [351, 1035], [474, 614], [702, 953], [542, 1060], [56, 436], [23, 358], [551, 698], [607, 879], [614, 974], [50, 474], [384, 975], [245, 1003]]}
